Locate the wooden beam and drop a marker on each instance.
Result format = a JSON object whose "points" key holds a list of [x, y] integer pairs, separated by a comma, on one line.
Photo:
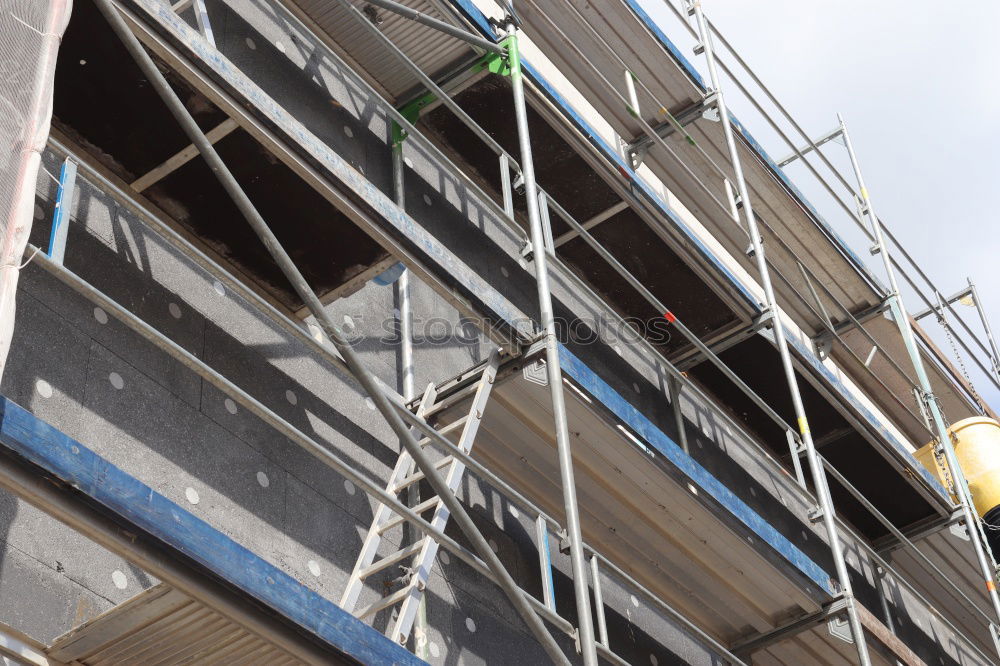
{"points": [[885, 637], [181, 157]]}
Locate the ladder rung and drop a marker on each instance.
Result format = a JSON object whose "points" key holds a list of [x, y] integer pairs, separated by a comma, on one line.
{"points": [[418, 475], [445, 431], [404, 475], [389, 560], [456, 397], [384, 602], [397, 519]]}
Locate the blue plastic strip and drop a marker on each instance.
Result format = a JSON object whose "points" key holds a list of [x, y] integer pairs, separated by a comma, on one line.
{"points": [[75, 464], [473, 14], [389, 275], [548, 569], [60, 219], [660, 442]]}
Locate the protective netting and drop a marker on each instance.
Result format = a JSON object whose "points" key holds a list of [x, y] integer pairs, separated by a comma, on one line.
{"points": [[30, 32]]}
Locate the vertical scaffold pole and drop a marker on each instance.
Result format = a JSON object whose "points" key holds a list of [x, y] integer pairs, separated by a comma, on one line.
{"points": [[577, 559], [403, 282], [976, 536], [815, 466], [420, 640]]}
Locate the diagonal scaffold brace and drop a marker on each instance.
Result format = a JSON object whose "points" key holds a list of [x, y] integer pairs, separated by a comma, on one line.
{"points": [[308, 296]]}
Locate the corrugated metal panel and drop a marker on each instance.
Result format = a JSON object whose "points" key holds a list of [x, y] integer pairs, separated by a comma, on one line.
{"points": [[159, 627], [431, 50]]}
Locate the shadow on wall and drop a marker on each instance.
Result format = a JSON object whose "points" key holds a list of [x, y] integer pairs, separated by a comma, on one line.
{"points": [[180, 426], [180, 419], [925, 641], [637, 631]]}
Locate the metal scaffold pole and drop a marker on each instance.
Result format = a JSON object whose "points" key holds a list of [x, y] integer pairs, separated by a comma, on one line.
{"points": [[547, 321], [403, 282], [978, 540], [815, 466], [407, 371], [353, 361]]}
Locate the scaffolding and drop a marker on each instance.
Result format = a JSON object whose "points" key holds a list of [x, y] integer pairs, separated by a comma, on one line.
{"points": [[410, 415]]}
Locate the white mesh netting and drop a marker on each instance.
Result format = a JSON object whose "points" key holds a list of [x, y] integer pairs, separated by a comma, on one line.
{"points": [[30, 32]]}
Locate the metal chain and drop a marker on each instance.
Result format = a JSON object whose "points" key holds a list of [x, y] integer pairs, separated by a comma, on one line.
{"points": [[961, 361], [980, 523]]}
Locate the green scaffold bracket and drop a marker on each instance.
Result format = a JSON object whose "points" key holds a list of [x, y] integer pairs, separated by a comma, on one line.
{"points": [[494, 63]]}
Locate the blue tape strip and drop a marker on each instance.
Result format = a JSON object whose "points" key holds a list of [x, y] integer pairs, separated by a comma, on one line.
{"points": [[70, 461], [658, 440], [477, 17], [61, 215], [548, 569]]}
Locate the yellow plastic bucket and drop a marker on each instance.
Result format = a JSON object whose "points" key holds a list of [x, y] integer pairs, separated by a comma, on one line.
{"points": [[977, 447]]}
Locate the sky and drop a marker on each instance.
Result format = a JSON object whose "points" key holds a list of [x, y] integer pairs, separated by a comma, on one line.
{"points": [[919, 87]]}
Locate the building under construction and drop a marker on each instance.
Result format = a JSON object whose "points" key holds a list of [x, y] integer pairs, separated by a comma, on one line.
{"points": [[390, 331]]}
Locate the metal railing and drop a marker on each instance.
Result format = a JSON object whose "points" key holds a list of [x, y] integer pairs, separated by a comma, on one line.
{"points": [[850, 207], [809, 277], [507, 161]]}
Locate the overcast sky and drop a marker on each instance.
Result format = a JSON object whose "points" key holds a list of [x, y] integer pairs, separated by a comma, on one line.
{"points": [[919, 86]]}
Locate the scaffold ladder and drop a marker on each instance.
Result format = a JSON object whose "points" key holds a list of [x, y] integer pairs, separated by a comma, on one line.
{"points": [[422, 552]]}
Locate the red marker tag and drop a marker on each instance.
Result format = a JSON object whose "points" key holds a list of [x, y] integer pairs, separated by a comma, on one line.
{"points": [[669, 316]]}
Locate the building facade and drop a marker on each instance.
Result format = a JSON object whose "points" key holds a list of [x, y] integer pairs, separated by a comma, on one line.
{"points": [[196, 473]]}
